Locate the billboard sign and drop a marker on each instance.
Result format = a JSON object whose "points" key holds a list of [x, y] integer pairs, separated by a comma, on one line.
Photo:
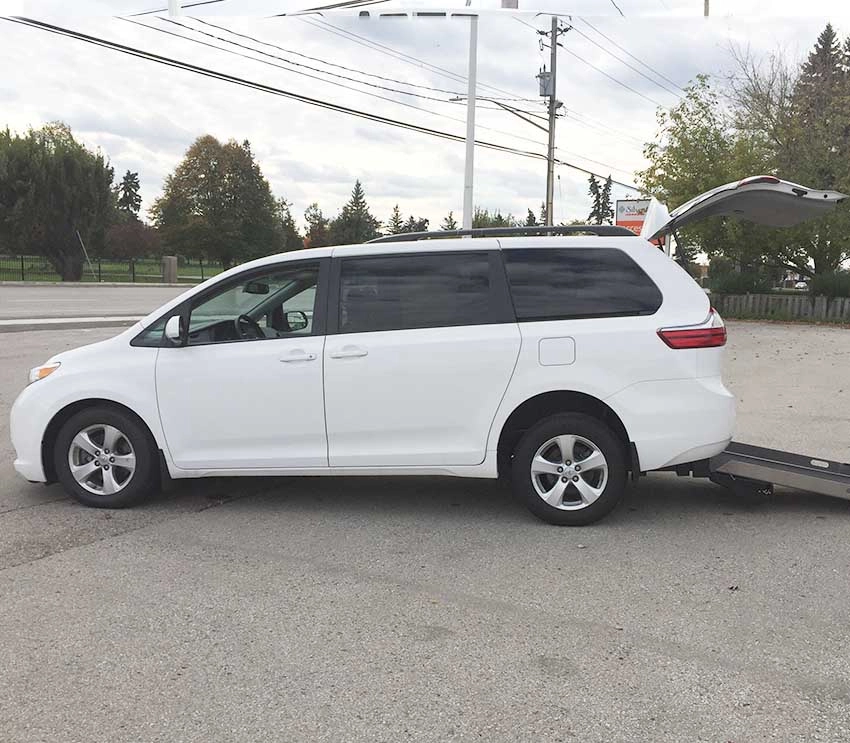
{"points": [[631, 213]]}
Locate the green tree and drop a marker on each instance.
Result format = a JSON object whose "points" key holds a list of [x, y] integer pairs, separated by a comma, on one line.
{"points": [[318, 227], [291, 239], [449, 223], [483, 218], [416, 225], [543, 213], [129, 200], [601, 208], [395, 225], [217, 204], [132, 238], [355, 224], [530, 219], [51, 188]]}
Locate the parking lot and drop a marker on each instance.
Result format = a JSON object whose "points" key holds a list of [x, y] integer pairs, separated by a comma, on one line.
{"points": [[434, 609]]}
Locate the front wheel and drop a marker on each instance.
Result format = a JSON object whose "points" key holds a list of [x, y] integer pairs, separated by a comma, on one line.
{"points": [[105, 458], [569, 469]]}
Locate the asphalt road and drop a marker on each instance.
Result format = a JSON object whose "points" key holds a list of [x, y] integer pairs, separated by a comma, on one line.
{"points": [[433, 609], [82, 300]]}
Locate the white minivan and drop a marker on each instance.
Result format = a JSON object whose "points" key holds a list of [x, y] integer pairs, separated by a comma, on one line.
{"points": [[560, 362]]}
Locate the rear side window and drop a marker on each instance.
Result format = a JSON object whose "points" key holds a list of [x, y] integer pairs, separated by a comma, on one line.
{"points": [[414, 291], [563, 283]]}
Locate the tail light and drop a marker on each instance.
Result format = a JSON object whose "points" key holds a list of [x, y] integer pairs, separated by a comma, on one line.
{"points": [[709, 334]]}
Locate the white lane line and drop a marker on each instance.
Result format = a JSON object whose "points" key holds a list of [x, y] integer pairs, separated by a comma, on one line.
{"points": [[60, 320]]}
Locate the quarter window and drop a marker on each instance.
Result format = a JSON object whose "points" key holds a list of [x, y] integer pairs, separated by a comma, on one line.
{"points": [[414, 291], [563, 283]]}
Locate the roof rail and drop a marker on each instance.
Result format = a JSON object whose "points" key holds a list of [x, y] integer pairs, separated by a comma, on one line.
{"points": [[600, 230]]}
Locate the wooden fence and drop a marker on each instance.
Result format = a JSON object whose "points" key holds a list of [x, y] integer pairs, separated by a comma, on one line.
{"points": [[782, 306]]}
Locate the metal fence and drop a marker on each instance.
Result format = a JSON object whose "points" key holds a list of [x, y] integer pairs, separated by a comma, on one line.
{"points": [[782, 306], [129, 270]]}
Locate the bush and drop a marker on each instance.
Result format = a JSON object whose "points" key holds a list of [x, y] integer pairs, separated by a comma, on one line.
{"points": [[831, 285], [741, 283]]}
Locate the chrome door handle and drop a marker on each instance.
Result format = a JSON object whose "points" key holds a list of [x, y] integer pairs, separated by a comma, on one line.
{"points": [[349, 352], [295, 356]]}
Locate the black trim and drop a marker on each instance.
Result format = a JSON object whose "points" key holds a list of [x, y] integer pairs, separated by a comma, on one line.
{"points": [[600, 230], [501, 302], [184, 308]]}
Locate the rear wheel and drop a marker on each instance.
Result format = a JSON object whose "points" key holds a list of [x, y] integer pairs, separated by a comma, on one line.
{"points": [[569, 469], [105, 458]]}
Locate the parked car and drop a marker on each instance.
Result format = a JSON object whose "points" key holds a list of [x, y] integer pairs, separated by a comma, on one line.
{"points": [[801, 285], [561, 363]]}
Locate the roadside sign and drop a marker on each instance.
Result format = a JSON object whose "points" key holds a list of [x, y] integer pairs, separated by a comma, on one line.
{"points": [[631, 213]]}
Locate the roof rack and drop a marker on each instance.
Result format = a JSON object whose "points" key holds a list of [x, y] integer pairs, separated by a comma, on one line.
{"points": [[600, 230]]}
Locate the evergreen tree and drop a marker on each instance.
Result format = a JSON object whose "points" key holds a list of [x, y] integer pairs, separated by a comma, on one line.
{"points": [[595, 216], [395, 225], [606, 208], [290, 237], [52, 187], [355, 224], [543, 213], [530, 220], [217, 204], [449, 222], [129, 201], [318, 227], [415, 225]]}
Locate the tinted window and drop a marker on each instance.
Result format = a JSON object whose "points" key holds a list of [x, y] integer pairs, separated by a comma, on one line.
{"points": [[578, 282], [414, 291]]}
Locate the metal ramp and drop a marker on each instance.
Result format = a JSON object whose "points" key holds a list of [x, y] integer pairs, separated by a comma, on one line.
{"points": [[755, 467]]}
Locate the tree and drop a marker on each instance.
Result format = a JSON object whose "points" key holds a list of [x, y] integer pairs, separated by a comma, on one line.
{"points": [[483, 218], [217, 204], [132, 238], [290, 237], [318, 227], [395, 225], [543, 212], [530, 220], [128, 199], [449, 222], [416, 225], [355, 224], [601, 209], [51, 188]]}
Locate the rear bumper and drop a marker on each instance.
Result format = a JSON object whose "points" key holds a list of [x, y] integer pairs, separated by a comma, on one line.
{"points": [[676, 421]]}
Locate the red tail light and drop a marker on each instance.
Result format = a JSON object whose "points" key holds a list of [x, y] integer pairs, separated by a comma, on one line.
{"points": [[710, 334]]}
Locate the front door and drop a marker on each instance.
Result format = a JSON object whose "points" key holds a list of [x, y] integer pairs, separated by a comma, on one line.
{"points": [[423, 350], [245, 389]]}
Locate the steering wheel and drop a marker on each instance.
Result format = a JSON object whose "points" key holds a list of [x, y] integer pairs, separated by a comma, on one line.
{"points": [[242, 323]]}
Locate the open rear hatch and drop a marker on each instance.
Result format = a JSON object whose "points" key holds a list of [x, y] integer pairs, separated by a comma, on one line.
{"points": [[763, 199]]}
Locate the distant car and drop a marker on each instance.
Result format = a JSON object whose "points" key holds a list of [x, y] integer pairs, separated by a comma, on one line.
{"points": [[560, 363], [801, 285]]}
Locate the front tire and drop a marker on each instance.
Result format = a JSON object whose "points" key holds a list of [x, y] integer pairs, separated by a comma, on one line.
{"points": [[105, 458], [569, 469]]}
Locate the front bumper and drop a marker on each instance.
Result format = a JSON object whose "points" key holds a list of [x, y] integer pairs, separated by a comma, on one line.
{"points": [[27, 429]]}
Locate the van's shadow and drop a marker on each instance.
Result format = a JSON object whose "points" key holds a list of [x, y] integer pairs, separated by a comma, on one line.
{"points": [[657, 497]]}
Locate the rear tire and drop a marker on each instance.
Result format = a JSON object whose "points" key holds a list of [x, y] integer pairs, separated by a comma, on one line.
{"points": [[569, 469], [105, 458]]}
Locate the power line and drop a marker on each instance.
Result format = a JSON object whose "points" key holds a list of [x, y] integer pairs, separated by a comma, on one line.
{"points": [[627, 64], [626, 51], [185, 5], [314, 77], [262, 87], [618, 8]]}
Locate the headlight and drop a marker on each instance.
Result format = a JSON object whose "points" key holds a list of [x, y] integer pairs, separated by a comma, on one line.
{"points": [[40, 372]]}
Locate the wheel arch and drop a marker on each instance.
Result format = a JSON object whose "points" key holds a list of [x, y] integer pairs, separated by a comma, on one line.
{"points": [[51, 432], [542, 405]]}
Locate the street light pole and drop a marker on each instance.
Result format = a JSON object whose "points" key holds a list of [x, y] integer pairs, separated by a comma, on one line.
{"points": [[174, 8], [550, 156], [470, 123], [705, 8]]}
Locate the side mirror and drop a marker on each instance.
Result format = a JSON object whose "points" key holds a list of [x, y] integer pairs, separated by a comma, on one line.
{"points": [[297, 320], [172, 330]]}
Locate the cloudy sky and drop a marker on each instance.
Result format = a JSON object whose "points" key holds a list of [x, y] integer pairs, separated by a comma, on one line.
{"points": [[144, 115]]}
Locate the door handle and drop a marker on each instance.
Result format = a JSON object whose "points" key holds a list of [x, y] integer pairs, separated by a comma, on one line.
{"points": [[298, 356], [349, 352]]}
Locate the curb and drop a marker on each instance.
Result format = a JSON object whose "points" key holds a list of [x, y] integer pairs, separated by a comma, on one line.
{"points": [[65, 323]]}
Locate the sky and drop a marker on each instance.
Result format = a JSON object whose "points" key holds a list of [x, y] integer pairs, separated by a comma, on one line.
{"points": [[144, 116]]}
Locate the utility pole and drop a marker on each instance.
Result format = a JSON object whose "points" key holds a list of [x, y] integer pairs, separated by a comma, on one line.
{"points": [[175, 10], [705, 8], [470, 123], [550, 153]]}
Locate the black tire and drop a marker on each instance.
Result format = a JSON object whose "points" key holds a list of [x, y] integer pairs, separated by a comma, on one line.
{"points": [[589, 429], [143, 480]]}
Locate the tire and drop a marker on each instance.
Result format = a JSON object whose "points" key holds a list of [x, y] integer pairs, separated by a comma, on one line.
{"points": [[100, 480], [590, 492]]}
